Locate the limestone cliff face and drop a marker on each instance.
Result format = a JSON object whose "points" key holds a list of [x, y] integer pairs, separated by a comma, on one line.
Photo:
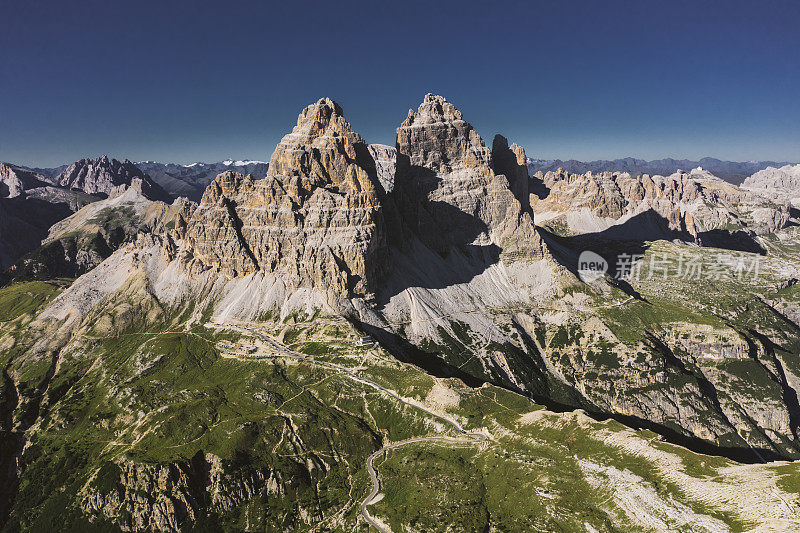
{"points": [[449, 180], [436, 137], [385, 165], [785, 178], [323, 151], [512, 162], [315, 221], [318, 220], [690, 203], [782, 184], [167, 496]]}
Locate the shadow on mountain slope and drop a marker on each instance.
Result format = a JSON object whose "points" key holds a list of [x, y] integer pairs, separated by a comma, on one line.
{"points": [[632, 237], [435, 365], [538, 187], [434, 248], [24, 222], [737, 241], [435, 245]]}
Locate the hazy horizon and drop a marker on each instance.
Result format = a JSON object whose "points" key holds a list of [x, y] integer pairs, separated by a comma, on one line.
{"points": [[122, 157]]}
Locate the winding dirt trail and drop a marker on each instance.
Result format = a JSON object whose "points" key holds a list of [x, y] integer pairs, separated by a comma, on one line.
{"points": [[467, 438]]}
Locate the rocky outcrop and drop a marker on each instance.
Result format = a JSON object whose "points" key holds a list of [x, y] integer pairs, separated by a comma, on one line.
{"points": [[782, 184], [436, 138], [100, 176], [315, 221], [786, 177], [510, 161], [84, 239], [164, 497], [385, 165], [323, 151], [694, 206]]}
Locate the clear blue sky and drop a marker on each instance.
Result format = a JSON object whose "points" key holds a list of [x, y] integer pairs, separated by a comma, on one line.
{"points": [[182, 81]]}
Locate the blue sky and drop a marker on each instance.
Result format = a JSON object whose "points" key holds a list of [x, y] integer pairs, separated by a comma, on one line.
{"points": [[194, 80]]}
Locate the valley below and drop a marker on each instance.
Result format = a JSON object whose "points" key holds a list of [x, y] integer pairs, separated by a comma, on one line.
{"points": [[302, 422]]}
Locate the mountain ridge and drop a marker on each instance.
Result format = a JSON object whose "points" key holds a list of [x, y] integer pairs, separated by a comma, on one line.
{"points": [[32, 202], [732, 171]]}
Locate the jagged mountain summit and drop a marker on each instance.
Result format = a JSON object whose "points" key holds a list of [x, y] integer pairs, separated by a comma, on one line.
{"points": [[187, 180], [436, 262], [31, 202], [102, 175], [449, 179], [431, 249], [322, 186], [313, 222], [14, 181]]}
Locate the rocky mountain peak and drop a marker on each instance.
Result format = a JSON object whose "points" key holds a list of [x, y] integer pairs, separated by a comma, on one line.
{"points": [[324, 113], [323, 151], [321, 218], [433, 109], [102, 175], [143, 187], [448, 179], [315, 221], [437, 138], [226, 185]]}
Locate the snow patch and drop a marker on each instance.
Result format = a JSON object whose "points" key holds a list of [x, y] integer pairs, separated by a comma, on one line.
{"points": [[242, 162]]}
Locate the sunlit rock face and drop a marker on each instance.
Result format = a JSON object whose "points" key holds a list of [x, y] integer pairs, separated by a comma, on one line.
{"points": [[314, 221], [781, 184]]}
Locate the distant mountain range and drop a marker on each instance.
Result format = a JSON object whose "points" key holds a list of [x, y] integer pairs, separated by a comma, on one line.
{"points": [[191, 180], [181, 180], [32, 200], [731, 171]]}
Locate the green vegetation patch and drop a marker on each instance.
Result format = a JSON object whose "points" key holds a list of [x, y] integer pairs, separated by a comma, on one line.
{"points": [[28, 297], [790, 477]]}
